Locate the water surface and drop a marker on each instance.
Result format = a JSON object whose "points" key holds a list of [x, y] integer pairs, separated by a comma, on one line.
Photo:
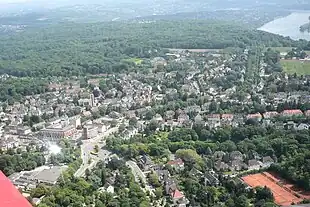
{"points": [[289, 25]]}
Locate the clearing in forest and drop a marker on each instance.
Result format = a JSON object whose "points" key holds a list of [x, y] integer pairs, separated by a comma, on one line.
{"points": [[136, 61], [296, 66]]}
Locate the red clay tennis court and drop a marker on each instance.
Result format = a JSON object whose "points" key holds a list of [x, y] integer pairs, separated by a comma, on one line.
{"points": [[281, 196]]}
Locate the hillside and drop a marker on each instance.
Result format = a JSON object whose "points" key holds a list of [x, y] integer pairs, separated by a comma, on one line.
{"points": [[74, 49], [252, 18]]}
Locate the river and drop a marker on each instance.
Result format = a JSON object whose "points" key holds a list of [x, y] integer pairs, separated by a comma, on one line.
{"points": [[289, 25]]}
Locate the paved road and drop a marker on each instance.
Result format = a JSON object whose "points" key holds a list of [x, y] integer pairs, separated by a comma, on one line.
{"points": [[139, 175], [88, 146]]}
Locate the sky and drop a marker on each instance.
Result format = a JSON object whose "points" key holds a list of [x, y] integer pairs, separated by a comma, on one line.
{"points": [[13, 1]]}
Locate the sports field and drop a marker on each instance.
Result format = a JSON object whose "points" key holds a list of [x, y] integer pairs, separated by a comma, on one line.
{"points": [[296, 66], [282, 195]]}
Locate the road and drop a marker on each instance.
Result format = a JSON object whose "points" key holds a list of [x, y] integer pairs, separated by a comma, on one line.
{"points": [[88, 146], [139, 176]]}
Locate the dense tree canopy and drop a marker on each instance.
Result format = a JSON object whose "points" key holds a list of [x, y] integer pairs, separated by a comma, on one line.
{"points": [[74, 49]]}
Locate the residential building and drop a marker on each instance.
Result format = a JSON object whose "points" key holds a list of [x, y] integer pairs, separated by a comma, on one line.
{"points": [[220, 166], [169, 115], [236, 155], [210, 178], [218, 155], [213, 120], [267, 161], [270, 114], [183, 118], [227, 119], [257, 117], [254, 164], [294, 112], [177, 164], [24, 130], [145, 163], [302, 126], [237, 165]]}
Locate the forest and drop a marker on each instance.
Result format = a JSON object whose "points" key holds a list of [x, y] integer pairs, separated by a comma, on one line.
{"points": [[77, 49], [16, 160]]}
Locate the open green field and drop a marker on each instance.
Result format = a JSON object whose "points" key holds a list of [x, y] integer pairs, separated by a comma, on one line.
{"points": [[296, 66], [282, 49], [286, 49], [137, 61]]}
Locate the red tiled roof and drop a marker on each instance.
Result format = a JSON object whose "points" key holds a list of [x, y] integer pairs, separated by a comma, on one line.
{"points": [[295, 111], [257, 115], [227, 116], [176, 162], [214, 116], [9, 195], [177, 194]]}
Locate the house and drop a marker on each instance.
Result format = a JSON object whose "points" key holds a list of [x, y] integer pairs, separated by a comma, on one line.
{"points": [[158, 118], [163, 175], [177, 196], [195, 109], [24, 130], [294, 112], [169, 115], [218, 155], [257, 117], [183, 118], [210, 178], [198, 119], [302, 126], [145, 163], [290, 125], [227, 119], [236, 155], [214, 120], [170, 185], [267, 122], [238, 120], [254, 164], [177, 164], [220, 166], [195, 173], [267, 161], [270, 114], [237, 165]]}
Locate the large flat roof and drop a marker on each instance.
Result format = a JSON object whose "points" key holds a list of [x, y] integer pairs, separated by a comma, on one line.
{"points": [[50, 175]]}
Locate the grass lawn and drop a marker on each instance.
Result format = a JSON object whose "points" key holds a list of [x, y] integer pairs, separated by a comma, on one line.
{"points": [[137, 61], [296, 66], [282, 49], [286, 49]]}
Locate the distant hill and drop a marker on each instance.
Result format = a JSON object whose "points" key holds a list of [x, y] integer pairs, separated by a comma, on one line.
{"points": [[75, 49], [253, 18]]}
